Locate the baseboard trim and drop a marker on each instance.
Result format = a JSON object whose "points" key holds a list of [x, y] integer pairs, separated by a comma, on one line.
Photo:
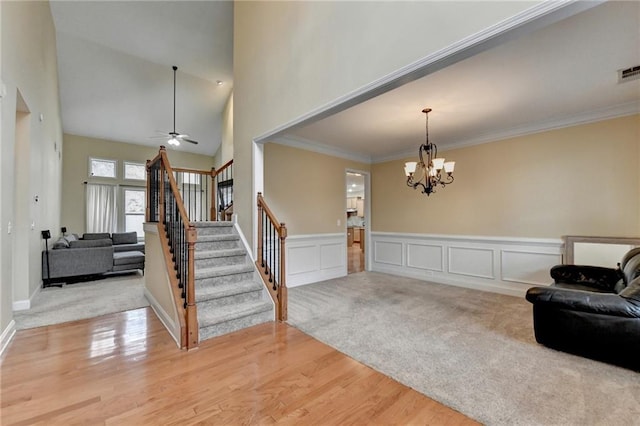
{"points": [[7, 336], [164, 318], [23, 305], [471, 284]]}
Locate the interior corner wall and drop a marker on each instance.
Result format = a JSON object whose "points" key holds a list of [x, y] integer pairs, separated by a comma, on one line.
{"points": [[225, 153], [580, 180], [293, 57], [77, 152], [29, 65], [306, 190]]}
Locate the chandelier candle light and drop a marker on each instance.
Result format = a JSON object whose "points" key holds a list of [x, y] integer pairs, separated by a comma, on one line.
{"points": [[428, 174]]}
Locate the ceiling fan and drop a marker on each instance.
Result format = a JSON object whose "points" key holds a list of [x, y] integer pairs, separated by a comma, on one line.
{"points": [[174, 138]]}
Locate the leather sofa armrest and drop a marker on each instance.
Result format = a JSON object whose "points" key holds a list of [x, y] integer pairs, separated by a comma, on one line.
{"points": [[592, 276], [583, 301]]}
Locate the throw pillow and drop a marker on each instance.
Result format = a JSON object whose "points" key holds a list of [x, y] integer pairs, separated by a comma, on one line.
{"points": [[61, 243], [70, 238]]}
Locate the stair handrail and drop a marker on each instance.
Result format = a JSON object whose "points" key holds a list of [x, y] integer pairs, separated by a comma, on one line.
{"points": [[175, 232], [271, 263], [222, 174]]}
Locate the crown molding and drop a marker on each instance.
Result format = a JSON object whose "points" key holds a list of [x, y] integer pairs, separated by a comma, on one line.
{"points": [[321, 148], [530, 19], [600, 114]]}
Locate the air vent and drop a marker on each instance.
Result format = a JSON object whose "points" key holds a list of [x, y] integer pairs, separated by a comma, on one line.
{"points": [[629, 74]]}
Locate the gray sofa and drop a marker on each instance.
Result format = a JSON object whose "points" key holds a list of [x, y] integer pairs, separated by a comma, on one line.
{"points": [[93, 254]]}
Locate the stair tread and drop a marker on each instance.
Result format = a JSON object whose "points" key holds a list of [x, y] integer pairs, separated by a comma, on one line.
{"points": [[210, 254], [225, 290], [228, 313], [218, 271]]}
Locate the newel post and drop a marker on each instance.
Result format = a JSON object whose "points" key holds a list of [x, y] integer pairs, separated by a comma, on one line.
{"points": [[260, 231], [147, 210], [214, 210], [282, 288], [192, 314], [162, 218]]}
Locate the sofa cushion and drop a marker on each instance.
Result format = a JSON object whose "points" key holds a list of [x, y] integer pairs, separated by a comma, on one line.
{"points": [[129, 247], [61, 243], [124, 237], [95, 236], [90, 243], [128, 258]]}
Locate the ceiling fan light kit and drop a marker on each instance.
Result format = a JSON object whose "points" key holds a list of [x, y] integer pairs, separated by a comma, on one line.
{"points": [[174, 138]]}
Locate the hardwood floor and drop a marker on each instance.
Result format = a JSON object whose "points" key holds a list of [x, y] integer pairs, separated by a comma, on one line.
{"points": [[125, 369], [355, 259]]}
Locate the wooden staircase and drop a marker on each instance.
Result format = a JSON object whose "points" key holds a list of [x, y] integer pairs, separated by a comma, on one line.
{"points": [[229, 293]]}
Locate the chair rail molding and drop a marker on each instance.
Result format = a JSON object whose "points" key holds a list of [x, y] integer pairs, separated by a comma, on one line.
{"points": [[315, 257], [505, 265]]}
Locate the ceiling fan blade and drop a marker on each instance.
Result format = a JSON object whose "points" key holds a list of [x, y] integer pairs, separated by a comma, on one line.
{"points": [[189, 140]]}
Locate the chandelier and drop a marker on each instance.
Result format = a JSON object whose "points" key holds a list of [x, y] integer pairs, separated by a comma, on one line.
{"points": [[431, 171]]}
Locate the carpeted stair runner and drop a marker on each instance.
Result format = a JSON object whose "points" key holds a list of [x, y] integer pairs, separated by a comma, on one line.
{"points": [[229, 294]]}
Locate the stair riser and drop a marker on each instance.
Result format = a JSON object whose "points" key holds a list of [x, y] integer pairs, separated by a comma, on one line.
{"points": [[217, 245], [215, 230], [234, 325], [221, 261], [252, 296], [224, 279]]}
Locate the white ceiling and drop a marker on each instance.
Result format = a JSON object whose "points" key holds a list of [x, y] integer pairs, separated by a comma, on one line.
{"points": [[114, 67], [560, 75], [115, 58]]}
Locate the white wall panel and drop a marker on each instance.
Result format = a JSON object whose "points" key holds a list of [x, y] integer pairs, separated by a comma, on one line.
{"points": [[425, 256], [475, 262], [528, 267], [331, 256], [387, 252], [302, 259]]}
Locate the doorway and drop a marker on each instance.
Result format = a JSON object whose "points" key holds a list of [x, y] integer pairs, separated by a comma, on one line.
{"points": [[356, 219]]}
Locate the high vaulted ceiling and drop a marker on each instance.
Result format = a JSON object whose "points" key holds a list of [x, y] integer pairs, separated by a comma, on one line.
{"points": [[115, 59], [114, 66]]}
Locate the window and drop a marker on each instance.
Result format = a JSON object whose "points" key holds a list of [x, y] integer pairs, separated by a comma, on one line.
{"points": [[135, 171], [134, 206], [102, 168]]}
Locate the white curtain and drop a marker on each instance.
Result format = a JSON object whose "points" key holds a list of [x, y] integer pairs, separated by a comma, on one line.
{"points": [[102, 211]]}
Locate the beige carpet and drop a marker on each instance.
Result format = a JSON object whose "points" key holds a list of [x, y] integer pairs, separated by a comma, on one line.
{"points": [[55, 305], [471, 350]]}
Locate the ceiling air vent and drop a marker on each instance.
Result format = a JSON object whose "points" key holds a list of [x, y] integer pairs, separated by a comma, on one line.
{"points": [[629, 74]]}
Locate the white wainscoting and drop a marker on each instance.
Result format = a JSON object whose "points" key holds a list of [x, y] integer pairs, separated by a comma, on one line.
{"points": [[317, 257], [502, 265]]}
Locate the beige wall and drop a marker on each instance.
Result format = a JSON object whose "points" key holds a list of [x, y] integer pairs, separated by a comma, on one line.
{"points": [[78, 150], [306, 190], [156, 280], [581, 180], [29, 71], [293, 57]]}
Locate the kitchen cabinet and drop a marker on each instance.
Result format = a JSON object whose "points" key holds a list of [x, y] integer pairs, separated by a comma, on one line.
{"points": [[360, 206], [349, 236]]}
